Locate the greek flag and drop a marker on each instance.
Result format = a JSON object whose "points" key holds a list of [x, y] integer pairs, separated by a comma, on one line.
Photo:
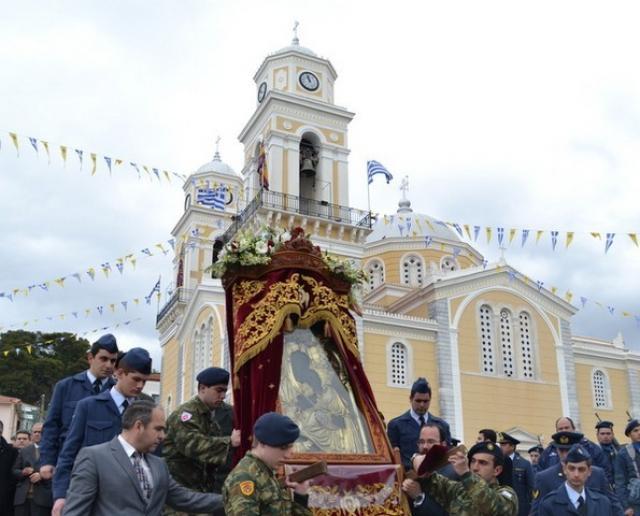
{"points": [[212, 197], [374, 168]]}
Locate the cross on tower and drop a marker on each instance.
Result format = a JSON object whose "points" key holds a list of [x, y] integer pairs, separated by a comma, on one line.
{"points": [[404, 186], [295, 40], [217, 154]]}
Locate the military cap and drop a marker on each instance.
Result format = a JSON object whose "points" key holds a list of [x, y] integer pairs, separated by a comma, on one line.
{"points": [[487, 447], [421, 385], [578, 453], [630, 426], [455, 442], [213, 376], [137, 359], [604, 424], [536, 448], [274, 429], [108, 342], [565, 440], [504, 437]]}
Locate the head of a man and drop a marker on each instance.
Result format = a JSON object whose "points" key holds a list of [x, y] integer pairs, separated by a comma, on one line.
{"points": [[213, 383], [565, 424], [430, 435], [564, 441], [486, 460], [534, 454], [632, 430], [420, 396], [507, 443], [604, 432], [102, 356], [36, 433], [132, 371], [576, 466], [23, 437], [143, 425], [274, 435], [487, 435]]}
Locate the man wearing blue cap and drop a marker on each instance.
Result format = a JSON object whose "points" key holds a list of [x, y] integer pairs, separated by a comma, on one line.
{"points": [[523, 477], [252, 487], [98, 419], [66, 394], [627, 474], [573, 496], [404, 430], [609, 445], [200, 438], [534, 456]]}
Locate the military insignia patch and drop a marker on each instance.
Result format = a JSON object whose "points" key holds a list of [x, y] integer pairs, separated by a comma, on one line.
{"points": [[247, 487], [185, 416], [506, 494], [536, 493]]}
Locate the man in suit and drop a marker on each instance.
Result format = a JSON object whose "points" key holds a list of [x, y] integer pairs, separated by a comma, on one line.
{"points": [[403, 431], [551, 478], [98, 419], [573, 496], [123, 477], [66, 394], [8, 456], [33, 494], [423, 505], [522, 472], [627, 467]]}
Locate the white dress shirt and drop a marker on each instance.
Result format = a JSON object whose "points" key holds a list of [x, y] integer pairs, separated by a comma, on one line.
{"points": [[130, 450], [92, 378], [416, 417], [118, 398], [574, 495]]}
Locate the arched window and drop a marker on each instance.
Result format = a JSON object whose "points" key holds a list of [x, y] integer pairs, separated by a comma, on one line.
{"points": [[412, 271], [526, 345], [375, 270], [600, 389], [202, 344], [506, 344], [399, 364], [486, 337], [448, 264]]}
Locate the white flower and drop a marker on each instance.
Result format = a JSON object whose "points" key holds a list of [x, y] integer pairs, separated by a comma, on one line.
{"points": [[285, 237], [262, 248]]}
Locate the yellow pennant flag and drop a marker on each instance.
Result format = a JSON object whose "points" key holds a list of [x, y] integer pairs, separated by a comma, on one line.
{"points": [[467, 230], [29, 349], [442, 247], [112, 307], [554, 290], [136, 301], [626, 314], [386, 220], [568, 296], [133, 261], [93, 160], [512, 233], [60, 282], [634, 238], [106, 271], [46, 147], [489, 233], [599, 304], [118, 162], [166, 174], [596, 235], [539, 234], [63, 153], [14, 139], [419, 225], [15, 291], [569, 240], [429, 224], [62, 317], [87, 311], [146, 169], [25, 292]]}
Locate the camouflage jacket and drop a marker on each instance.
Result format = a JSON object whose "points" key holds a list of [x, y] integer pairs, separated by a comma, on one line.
{"points": [[471, 496], [197, 448], [252, 489]]}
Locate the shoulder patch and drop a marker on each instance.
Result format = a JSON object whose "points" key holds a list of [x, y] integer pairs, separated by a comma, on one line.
{"points": [[536, 493], [185, 416], [247, 487], [506, 494]]}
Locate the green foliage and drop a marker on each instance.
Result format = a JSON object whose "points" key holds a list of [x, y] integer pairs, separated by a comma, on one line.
{"points": [[53, 356]]}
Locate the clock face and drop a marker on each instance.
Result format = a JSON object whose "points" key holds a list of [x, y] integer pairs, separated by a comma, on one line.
{"points": [[262, 91], [309, 81]]}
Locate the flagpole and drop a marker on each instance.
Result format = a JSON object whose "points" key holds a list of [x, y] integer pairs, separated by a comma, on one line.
{"points": [[369, 198]]}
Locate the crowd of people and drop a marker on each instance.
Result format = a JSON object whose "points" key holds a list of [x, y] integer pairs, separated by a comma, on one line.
{"points": [[105, 448]]}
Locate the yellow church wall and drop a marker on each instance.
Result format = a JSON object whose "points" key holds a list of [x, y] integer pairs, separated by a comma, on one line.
{"points": [[618, 392], [169, 368], [419, 311]]}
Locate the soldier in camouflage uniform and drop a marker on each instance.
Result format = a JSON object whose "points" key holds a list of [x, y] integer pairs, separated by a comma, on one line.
{"points": [[200, 436], [252, 488], [477, 493]]}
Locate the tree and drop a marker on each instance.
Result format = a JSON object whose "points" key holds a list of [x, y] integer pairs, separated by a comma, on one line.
{"points": [[32, 362]]}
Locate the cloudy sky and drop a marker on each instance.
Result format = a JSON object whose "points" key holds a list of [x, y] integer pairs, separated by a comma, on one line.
{"points": [[518, 115]]}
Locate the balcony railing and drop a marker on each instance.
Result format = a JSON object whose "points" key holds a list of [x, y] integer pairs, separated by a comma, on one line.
{"points": [[301, 206], [180, 295]]}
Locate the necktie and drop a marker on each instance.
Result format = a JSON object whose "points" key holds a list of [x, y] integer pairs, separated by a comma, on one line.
{"points": [[421, 419], [124, 405], [97, 386], [582, 506], [142, 476]]}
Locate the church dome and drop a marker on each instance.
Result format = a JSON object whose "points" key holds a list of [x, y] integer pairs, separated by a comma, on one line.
{"points": [[217, 166], [295, 45]]}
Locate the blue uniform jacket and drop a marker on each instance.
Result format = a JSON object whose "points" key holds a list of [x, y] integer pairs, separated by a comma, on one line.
{"points": [[552, 478], [66, 394], [610, 451], [550, 456], [404, 431], [558, 503], [523, 481], [96, 420], [624, 471]]}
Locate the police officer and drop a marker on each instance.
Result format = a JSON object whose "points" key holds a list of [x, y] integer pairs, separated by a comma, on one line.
{"points": [[252, 487], [200, 436], [626, 468], [98, 419], [534, 456], [573, 496], [523, 477], [66, 394], [607, 441], [478, 491]]}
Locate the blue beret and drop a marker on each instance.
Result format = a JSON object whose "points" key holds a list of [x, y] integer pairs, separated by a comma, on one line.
{"points": [[630, 426], [274, 429], [213, 376], [604, 424], [137, 359], [487, 447], [504, 437], [565, 440], [536, 448], [421, 385], [107, 342], [578, 453]]}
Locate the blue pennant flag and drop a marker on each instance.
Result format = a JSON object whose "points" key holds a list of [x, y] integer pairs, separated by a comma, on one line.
{"points": [[146, 251], [134, 165], [611, 309], [609, 241], [75, 314], [554, 239], [79, 153], [485, 263], [172, 243], [458, 228], [408, 223], [34, 143], [100, 309], [456, 252], [374, 168], [213, 197], [540, 285], [583, 301], [427, 240], [108, 161], [512, 275], [156, 172], [156, 288], [124, 304], [525, 235], [637, 318], [476, 232], [500, 236]]}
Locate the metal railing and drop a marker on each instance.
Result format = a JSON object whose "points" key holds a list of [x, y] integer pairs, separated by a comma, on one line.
{"points": [[180, 295]]}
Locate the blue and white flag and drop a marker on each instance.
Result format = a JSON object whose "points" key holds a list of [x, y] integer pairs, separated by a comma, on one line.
{"points": [[212, 197], [375, 168], [155, 289]]}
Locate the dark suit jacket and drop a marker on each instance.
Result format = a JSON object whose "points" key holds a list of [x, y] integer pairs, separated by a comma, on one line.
{"points": [[7, 483], [403, 432], [66, 394], [430, 507], [550, 456], [41, 490], [558, 503], [104, 483]]}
